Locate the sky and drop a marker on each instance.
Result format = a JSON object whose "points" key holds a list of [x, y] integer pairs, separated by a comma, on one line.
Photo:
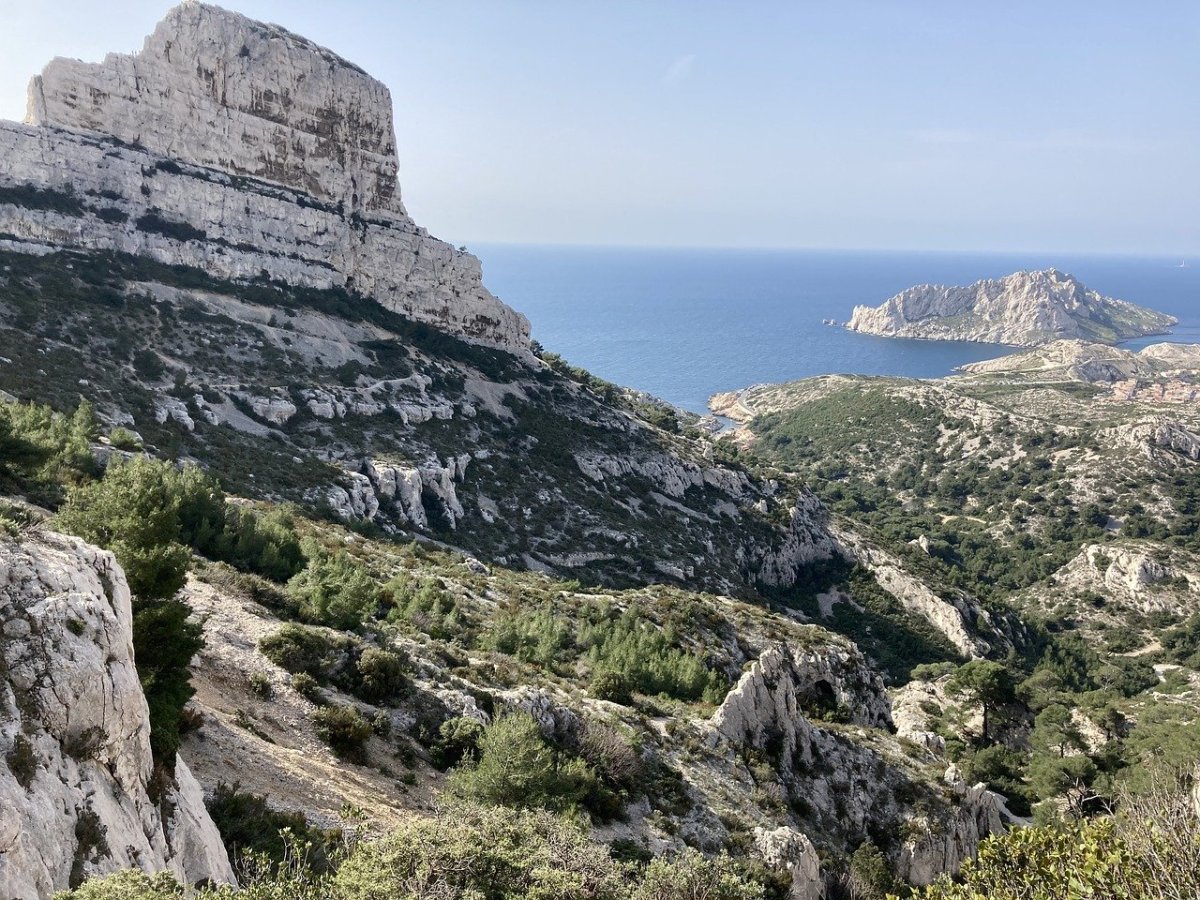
{"points": [[893, 124]]}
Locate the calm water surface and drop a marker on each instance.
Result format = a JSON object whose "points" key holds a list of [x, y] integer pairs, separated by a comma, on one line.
{"points": [[684, 324]]}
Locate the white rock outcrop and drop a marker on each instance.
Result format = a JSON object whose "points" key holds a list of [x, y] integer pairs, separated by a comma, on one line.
{"points": [[1132, 576], [401, 487], [401, 491], [441, 479], [275, 410], [943, 846], [76, 772], [670, 474], [353, 499], [170, 408], [848, 786], [806, 539], [1024, 309], [790, 850], [789, 683], [912, 704], [1155, 436], [246, 150], [961, 621], [555, 720]]}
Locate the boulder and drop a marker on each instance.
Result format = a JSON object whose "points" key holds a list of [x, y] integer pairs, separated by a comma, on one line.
{"points": [[76, 774], [788, 849]]}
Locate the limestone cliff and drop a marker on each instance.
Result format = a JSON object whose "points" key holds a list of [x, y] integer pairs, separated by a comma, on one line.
{"points": [[846, 783], [1024, 309], [76, 775], [223, 206], [243, 149]]}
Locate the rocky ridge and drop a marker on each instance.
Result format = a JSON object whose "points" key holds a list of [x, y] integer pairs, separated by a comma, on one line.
{"points": [[855, 781], [243, 149], [295, 397], [231, 189], [1023, 309], [798, 755], [78, 794], [966, 624], [1080, 360], [996, 458]]}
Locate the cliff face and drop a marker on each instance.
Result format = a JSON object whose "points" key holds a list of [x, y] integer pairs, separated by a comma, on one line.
{"points": [[843, 788], [243, 149], [1024, 309], [215, 89], [230, 189], [966, 624], [75, 764]]}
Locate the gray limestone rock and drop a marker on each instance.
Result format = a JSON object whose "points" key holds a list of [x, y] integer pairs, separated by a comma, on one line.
{"points": [[243, 149], [75, 763], [1025, 309]]}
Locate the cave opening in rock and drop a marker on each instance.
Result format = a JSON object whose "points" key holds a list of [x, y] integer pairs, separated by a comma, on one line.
{"points": [[822, 700]]}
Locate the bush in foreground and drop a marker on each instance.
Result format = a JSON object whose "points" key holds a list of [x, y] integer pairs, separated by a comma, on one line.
{"points": [[468, 852], [251, 828], [1149, 851]]}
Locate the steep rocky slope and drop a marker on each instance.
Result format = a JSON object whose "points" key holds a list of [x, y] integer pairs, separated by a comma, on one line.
{"points": [[1039, 510], [78, 792], [206, 238], [1023, 309], [795, 761]]}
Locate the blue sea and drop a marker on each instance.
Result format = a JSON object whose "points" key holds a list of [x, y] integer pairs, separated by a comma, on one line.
{"points": [[684, 324]]}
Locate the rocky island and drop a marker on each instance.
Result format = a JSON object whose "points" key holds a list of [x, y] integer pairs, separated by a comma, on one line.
{"points": [[1023, 309]]}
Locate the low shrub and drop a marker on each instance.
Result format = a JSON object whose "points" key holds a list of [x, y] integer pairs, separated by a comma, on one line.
{"points": [[30, 196], [427, 607], [498, 854], [248, 824], [457, 738], [260, 686], [649, 658], [335, 590], [381, 675], [463, 852], [612, 757], [344, 729], [516, 767], [870, 874], [22, 761], [304, 649], [307, 687], [611, 686], [124, 439]]}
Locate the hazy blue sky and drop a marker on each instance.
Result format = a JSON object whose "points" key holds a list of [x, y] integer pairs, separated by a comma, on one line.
{"points": [[934, 125]]}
